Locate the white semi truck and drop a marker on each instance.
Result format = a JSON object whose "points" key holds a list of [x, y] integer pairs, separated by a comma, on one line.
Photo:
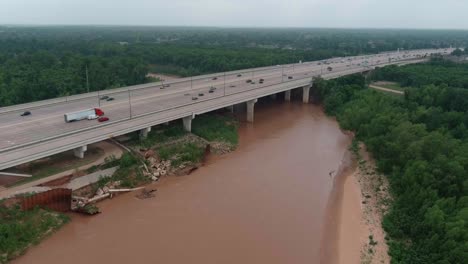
{"points": [[89, 114]]}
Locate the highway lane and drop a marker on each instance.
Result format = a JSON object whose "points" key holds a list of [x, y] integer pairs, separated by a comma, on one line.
{"points": [[48, 120], [123, 114], [101, 132]]}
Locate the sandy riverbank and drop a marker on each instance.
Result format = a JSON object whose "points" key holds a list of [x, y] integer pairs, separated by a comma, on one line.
{"points": [[359, 211]]}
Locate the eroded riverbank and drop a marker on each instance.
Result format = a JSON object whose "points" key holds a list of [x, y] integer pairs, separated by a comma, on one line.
{"points": [[263, 203]]}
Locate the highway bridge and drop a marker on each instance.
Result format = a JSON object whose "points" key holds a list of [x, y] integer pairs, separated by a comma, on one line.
{"points": [[138, 108]]}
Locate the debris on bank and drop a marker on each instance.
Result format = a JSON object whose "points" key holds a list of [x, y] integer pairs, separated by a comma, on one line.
{"points": [[145, 194]]}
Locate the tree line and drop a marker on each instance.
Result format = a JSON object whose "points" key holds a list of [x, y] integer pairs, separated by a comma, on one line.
{"points": [[421, 143], [39, 63]]}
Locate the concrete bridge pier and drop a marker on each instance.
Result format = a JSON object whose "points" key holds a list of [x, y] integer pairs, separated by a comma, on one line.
{"points": [[144, 132], [188, 123], [305, 93], [287, 95], [230, 108], [250, 110], [79, 152]]}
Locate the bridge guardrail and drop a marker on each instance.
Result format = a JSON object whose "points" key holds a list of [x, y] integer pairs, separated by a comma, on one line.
{"points": [[34, 105], [355, 70]]}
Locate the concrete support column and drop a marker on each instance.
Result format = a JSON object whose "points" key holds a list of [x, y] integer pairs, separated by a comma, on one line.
{"points": [[144, 132], [250, 110], [79, 152], [188, 123], [287, 95], [305, 94]]}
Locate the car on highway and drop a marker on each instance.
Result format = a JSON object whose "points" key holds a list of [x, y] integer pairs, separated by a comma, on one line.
{"points": [[110, 99], [103, 119], [104, 97], [248, 81], [239, 75], [200, 94], [290, 77], [215, 78], [26, 113], [232, 86], [212, 89], [194, 98], [330, 69], [262, 80]]}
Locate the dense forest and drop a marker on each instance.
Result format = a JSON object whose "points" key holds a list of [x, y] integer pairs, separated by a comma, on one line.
{"points": [[421, 143], [44, 62]]}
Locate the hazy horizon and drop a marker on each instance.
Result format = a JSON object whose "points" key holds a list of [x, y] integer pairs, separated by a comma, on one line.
{"points": [[358, 14]]}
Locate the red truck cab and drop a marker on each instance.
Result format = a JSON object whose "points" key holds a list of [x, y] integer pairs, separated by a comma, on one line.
{"points": [[99, 112]]}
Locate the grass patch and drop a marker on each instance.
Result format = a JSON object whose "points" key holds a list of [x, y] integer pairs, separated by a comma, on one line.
{"points": [[129, 173], [216, 128], [180, 153], [162, 134], [20, 229], [393, 86]]}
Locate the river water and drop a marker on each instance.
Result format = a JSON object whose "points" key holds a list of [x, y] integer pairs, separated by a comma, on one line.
{"points": [[264, 203]]}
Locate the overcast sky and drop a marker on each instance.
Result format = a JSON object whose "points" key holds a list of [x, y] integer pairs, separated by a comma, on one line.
{"points": [[241, 13]]}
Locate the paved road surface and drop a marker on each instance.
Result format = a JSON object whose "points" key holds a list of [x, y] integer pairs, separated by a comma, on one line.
{"points": [[386, 89], [21, 137]]}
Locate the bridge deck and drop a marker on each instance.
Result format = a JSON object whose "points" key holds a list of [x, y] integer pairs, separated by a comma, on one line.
{"points": [[45, 133]]}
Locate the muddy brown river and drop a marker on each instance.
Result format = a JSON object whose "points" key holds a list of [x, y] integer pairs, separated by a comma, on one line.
{"points": [[263, 203]]}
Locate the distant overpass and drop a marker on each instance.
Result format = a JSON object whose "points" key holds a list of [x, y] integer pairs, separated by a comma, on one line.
{"points": [[138, 108]]}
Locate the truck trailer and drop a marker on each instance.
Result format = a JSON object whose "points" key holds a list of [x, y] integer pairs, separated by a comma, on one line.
{"points": [[89, 114]]}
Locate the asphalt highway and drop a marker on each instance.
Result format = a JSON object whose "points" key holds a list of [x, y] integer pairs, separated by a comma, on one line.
{"points": [[47, 119]]}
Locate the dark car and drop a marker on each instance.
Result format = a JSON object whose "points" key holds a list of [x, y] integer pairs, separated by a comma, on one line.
{"points": [[26, 113], [330, 69], [103, 119], [104, 97], [215, 78], [290, 77], [200, 94], [248, 81], [232, 86], [262, 80], [194, 98], [239, 75], [110, 99]]}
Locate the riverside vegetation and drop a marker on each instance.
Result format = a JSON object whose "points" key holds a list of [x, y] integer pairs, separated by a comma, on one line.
{"points": [[421, 143], [20, 229]]}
